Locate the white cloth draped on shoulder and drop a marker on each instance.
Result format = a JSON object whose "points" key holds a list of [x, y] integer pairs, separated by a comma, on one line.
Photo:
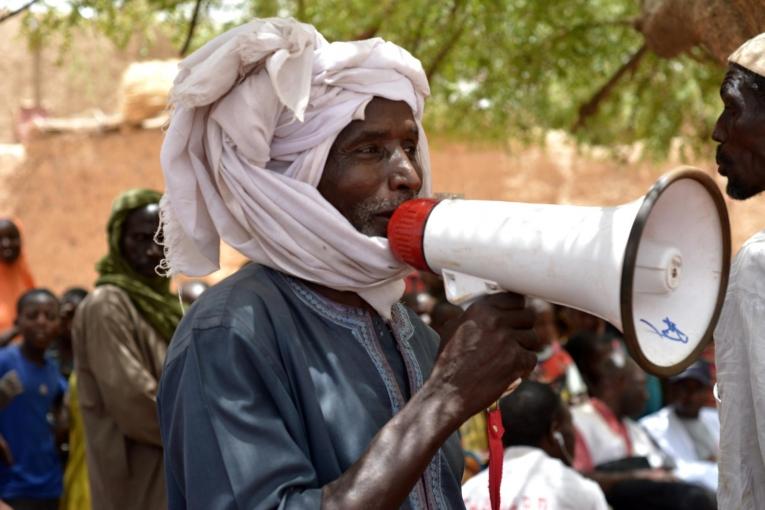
{"points": [[256, 111]]}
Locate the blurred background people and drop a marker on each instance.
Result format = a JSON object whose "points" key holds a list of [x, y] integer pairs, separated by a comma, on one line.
{"points": [[32, 480], [539, 445], [76, 495], [191, 290], [589, 350], [688, 430], [554, 365], [15, 277], [615, 451], [61, 349], [121, 333]]}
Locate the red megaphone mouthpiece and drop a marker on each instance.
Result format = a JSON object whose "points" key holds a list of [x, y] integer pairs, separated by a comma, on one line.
{"points": [[406, 230]]}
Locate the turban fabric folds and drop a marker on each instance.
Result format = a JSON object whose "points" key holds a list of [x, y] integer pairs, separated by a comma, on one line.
{"points": [[256, 111]]}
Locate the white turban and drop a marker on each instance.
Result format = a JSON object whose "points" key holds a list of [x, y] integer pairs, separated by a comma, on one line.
{"points": [[256, 111], [751, 55]]}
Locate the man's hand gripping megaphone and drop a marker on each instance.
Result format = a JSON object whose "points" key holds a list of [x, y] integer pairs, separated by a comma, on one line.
{"points": [[487, 350]]}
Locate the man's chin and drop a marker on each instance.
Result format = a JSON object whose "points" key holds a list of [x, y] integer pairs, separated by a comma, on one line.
{"points": [[737, 192], [376, 227]]}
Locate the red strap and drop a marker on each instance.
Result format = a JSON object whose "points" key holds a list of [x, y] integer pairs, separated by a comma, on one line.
{"points": [[496, 454]]}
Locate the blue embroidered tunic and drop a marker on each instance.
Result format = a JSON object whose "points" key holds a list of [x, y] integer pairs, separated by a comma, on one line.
{"points": [[271, 391]]}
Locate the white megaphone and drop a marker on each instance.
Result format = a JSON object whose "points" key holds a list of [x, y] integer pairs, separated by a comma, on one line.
{"points": [[656, 268]]}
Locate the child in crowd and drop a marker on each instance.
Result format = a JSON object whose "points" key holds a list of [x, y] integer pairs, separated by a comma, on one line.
{"points": [[32, 480]]}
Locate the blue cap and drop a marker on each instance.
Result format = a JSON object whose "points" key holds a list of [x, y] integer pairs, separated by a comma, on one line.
{"points": [[699, 371]]}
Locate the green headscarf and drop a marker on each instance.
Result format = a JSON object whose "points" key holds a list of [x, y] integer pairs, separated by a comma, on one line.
{"points": [[151, 296]]}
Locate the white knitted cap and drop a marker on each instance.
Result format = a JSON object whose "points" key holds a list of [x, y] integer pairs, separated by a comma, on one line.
{"points": [[751, 55]]}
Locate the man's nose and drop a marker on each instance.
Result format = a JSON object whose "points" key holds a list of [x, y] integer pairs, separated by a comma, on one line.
{"points": [[718, 134], [404, 174]]}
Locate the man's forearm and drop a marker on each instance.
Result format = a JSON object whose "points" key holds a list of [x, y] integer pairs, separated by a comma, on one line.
{"points": [[398, 455]]}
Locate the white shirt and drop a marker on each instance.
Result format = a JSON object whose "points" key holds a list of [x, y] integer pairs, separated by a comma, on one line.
{"points": [[602, 442], [672, 435], [532, 480], [740, 359]]}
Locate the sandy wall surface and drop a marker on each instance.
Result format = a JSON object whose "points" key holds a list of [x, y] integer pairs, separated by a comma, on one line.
{"points": [[62, 191], [75, 78]]}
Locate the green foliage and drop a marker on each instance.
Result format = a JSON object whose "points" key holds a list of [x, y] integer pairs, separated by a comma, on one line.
{"points": [[499, 69]]}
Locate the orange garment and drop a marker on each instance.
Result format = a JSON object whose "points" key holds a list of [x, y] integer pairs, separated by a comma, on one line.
{"points": [[15, 279]]}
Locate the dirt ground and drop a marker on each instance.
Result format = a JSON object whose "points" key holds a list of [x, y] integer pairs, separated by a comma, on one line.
{"points": [[62, 191]]}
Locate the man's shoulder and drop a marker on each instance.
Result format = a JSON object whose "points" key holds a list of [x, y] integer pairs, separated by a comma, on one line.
{"points": [[571, 486], [105, 299], [244, 301], [710, 417], [252, 288], [9, 357], [583, 409], [658, 420], [750, 260]]}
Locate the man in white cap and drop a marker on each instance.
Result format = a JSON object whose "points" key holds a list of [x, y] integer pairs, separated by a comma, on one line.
{"points": [[301, 382], [740, 334]]}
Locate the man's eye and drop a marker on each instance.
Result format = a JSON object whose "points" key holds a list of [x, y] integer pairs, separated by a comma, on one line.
{"points": [[411, 150], [368, 149]]}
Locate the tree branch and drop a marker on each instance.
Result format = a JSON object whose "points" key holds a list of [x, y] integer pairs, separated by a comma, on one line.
{"points": [[435, 64], [375, 26], [414, 44], [589, 109], [546, 43], [447, 47], [588, 25], [9, 15], [192, 27]]}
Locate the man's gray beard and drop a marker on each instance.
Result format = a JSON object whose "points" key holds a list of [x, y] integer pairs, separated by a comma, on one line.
{"points": [[363, 215]]}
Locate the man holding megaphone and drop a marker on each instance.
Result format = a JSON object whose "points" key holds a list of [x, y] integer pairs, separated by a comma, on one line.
{"points": [[740, 336], [300, 381]]}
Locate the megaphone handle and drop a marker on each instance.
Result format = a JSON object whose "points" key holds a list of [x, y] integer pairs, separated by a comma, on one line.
{"points": [[496, 449]]}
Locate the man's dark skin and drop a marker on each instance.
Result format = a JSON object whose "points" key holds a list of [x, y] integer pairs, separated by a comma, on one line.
{"points": [[623, 390], [740, 131], [137, 243], [371, 169], [10, 242], [690, 396]]}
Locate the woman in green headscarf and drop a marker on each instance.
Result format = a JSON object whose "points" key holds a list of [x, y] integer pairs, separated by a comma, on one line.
{"points": [[132, 259], [120, 337]]}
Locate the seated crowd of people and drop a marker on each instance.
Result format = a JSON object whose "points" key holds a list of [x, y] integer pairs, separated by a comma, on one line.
{"points": [[589, 430]]}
